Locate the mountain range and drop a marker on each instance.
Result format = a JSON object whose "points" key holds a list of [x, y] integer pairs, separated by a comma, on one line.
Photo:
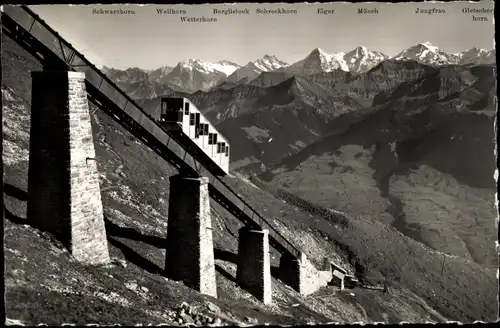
{"points": [[192, 75], [402, 151], [360, 141]]}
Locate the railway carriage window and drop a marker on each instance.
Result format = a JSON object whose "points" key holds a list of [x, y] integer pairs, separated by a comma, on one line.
{"points": [[215, 138], [210, 138], [197, 125], [223, 147], [218, 147], [227, 151], [186, 109], [191, 119], [197, 119], [205, 130]]}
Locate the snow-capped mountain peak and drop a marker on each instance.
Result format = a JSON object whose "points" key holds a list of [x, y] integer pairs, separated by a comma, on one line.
{"points": [[476, 56], [325, 57], [223, 66], [319, 60], [475, 51], [268, 63], [269, 57], [361, 59], [429, 46], [194, 74], [319, 52], [190, 63], [425, 53], [226, 67], [359, 50]]}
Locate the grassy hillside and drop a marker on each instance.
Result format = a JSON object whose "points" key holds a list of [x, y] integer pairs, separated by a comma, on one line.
{"points": [[427, 184], [457, 287]]}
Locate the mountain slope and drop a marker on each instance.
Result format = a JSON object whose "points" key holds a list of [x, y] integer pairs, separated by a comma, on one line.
{"points": [[135, 193], [130, 75], [268, 79], [424, 140], [140, 84], [158, 74], [279, 120], [450, 284]]}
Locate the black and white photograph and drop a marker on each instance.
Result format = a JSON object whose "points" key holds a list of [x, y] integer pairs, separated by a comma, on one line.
{"points": [[249, 164]]}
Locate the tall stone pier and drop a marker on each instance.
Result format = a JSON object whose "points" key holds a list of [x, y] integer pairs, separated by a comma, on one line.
{"points": [[254, 265], [289, 271], [64, 196], [189, 246], [301, 275]]}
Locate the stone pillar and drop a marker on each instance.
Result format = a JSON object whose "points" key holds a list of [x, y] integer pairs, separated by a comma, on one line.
{"points": [[254, 265], [289, 271], [189, 246], [64, 196], [301, 275]]}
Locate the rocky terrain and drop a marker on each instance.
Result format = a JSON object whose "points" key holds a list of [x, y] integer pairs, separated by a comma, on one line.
{"points": [[395, 148]]}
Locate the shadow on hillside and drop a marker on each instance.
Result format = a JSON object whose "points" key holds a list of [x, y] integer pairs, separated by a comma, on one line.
{"points": [[12, 217], [135, 258], [15, 192], [113, 229], [227, 256], [225, 274]]}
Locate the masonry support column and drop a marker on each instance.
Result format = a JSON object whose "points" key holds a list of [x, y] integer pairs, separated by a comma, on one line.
{"points": [[64, 195], [254, 265], [189, 246], [289, 271], [300, 274]]}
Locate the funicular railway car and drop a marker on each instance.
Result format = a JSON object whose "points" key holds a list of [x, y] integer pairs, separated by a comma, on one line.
{"points": [[187, 125]]}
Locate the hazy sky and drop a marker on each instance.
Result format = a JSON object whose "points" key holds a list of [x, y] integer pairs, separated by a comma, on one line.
{"points": [[149, 40]]}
